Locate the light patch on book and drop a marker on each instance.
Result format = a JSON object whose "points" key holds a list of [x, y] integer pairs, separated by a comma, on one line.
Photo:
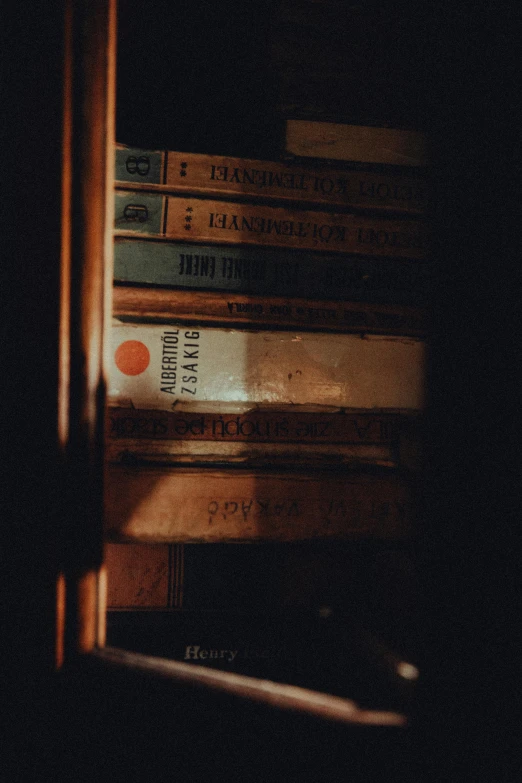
{"points": [[138, 576], [132, 357], [262, 366], [407, 670]]}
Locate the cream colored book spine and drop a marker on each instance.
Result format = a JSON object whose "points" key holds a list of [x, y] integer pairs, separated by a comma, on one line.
{"points": [[162, 367]]}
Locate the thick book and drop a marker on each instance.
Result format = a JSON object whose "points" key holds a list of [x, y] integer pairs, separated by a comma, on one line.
{"points": [[357, 143], [152, 586], [205, 578], [270, 272], [182, 505], [214, 308], [257, 438], [214, 175], [163, 366], [138, 213]]}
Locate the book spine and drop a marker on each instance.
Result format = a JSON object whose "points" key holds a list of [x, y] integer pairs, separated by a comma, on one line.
{"points": [[213, 175], [250, 455], [357, 143], [201, 220], [257, 426], [144, 576], [263, 271], [205, 586], [211, 308], [161, 504], [160, 366], [259, 438]]}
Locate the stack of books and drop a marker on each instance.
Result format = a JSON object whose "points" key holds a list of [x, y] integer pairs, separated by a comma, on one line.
{"points": [[267, 373]]}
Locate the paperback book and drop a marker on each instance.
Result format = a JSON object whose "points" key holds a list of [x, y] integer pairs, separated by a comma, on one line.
{"points": [[139, 303], [331, 655], [271, 272], [185, 219], [257, 438], [161, 366], [216, 176]]}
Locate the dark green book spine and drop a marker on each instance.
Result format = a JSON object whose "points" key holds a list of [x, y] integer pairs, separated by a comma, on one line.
{"points": [[256, 270]]}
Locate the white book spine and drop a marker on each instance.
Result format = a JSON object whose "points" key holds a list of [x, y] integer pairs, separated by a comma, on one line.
{"points": [[163, 366]]}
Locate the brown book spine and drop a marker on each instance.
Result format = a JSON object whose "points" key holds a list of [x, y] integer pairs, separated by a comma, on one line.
{"points": [[144, 576], [213, 308], [158, 504]]}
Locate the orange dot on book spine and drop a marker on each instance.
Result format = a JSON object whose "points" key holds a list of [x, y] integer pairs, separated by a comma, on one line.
{"points": [[132, 357]]}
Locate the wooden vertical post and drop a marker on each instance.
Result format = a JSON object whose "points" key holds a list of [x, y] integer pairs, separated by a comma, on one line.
{"points": [[86, 276]]}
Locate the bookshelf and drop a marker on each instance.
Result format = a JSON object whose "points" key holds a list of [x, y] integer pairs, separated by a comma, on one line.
{"points": [[473, 563], [286, 486]]}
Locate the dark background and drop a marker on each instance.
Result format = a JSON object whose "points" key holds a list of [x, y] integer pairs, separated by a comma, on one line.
{"points": [[221, 78], [196, 77]]}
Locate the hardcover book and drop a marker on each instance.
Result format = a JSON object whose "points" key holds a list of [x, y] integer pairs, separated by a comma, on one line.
{"points": [[213, 175], [202, 220], [330, 654], [366, 578]]}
